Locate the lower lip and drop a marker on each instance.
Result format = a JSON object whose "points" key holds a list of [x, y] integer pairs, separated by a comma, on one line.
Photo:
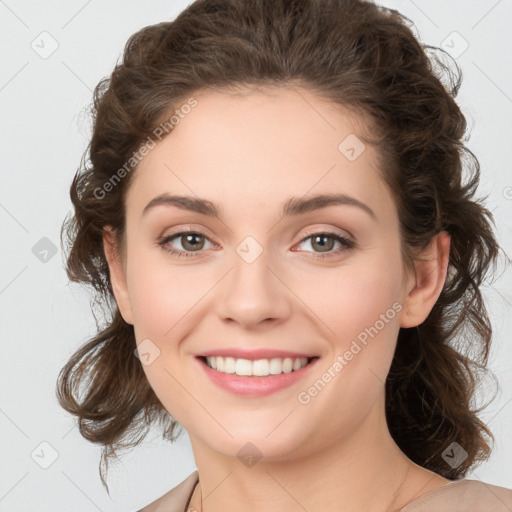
{"points": [[252, 386]]}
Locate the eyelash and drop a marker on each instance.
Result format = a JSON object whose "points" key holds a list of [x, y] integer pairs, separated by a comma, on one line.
{"points": [[345, 242]]}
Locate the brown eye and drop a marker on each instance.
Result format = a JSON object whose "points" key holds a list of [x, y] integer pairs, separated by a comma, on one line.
{"points": [[323, 244], [192, 241], [184, 243]]}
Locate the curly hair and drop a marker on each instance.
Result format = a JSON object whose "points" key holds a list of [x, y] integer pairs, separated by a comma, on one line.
{"points": [[359, 56]]}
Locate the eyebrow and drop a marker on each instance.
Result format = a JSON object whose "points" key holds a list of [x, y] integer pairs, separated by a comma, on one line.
{"points": [[293, 206]]}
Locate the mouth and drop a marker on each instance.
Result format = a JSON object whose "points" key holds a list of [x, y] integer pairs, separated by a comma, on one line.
{"points": [[255, 378], [256, 367]]}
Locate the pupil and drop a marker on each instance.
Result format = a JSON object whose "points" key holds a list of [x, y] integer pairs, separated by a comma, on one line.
{"points": [[327, 246], [190, 241]]}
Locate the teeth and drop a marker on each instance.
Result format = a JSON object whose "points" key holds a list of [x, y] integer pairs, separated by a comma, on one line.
{"points": [[243, 367], [259, 368], [229, 365]]}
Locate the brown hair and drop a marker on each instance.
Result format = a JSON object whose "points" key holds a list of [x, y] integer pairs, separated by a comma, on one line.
{"points": [[357, 55]]}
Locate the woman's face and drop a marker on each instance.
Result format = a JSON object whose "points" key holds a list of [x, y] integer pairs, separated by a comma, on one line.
{"points": [[255, 279]]}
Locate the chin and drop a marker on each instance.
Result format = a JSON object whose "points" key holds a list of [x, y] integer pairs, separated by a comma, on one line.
{"points": [[255, 443]]}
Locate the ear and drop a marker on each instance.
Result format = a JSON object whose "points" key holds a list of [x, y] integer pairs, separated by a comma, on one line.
{"points": [[117, 274], [426, 285]]}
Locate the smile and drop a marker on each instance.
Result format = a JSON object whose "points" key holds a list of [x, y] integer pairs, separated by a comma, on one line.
{"points": [[257, 377], [259, 367]]}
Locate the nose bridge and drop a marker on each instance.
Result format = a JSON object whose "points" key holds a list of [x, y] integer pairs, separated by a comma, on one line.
{"points": [[252, 292]]}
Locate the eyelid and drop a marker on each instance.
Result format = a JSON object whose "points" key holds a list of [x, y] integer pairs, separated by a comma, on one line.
{"points": [[187, 229], [174, 235], [347, 242], [327, 231], [306, 234]]}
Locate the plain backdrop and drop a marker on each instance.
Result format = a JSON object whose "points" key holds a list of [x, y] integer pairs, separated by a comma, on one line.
{"points": [[44, 131]]}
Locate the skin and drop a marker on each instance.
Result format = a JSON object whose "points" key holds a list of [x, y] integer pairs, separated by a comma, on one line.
{"points": [[249, 151]]}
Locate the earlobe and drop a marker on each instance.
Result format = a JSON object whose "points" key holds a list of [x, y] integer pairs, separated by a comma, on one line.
{"points": [[117, 274], [431, 270]]}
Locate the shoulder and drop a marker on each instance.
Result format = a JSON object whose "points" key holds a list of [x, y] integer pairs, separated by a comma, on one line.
{"points": [[176, 499], [463, 496]]}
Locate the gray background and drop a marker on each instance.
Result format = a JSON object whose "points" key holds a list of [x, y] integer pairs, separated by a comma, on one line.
{"points": [[44, 319]]}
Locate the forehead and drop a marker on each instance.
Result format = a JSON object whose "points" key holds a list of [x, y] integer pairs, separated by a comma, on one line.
{"points": [[251, 148]]}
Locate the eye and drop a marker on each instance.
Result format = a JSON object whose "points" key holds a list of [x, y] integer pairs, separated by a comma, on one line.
{"points": [[194, 242], [325, 241], [190, 241]]}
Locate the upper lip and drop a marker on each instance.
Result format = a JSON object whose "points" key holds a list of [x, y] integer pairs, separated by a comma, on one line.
{"points": [[253, 355]]}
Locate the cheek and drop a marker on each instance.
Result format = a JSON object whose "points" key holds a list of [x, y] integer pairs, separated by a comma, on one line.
{"points": [[162, 293], [353, 297], [342, 301], [165, 302], [359, 308]]}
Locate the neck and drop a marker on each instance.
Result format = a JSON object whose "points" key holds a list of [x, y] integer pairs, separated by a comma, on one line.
{"points": [[364, 472]]}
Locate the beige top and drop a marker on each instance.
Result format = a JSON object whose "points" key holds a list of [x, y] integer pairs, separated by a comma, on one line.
{"points": [[456, 496]]}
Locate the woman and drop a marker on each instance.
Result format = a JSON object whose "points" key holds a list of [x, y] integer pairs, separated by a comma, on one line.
{"points": [[274, 208]]}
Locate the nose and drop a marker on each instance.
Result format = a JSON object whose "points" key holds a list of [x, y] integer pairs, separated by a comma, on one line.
{"points": [[254, 293]]}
